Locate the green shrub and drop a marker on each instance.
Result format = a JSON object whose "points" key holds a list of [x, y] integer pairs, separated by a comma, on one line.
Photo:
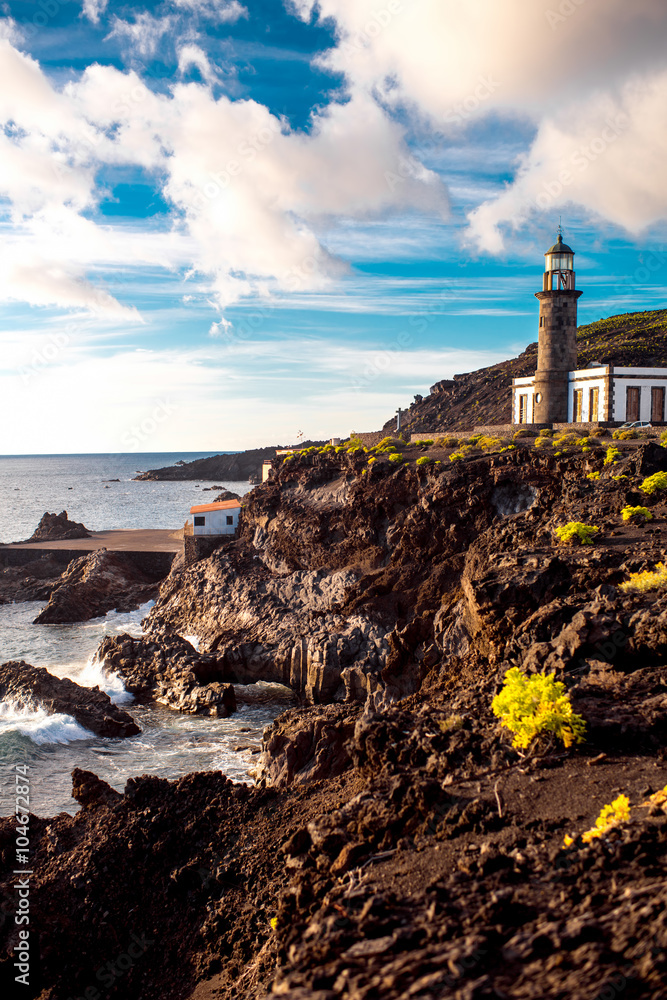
{"points": [[371, 460], [510, 447], [593, 475], [389, 444], [627, 435], [566, 440], [542, 442], [576, 533], [424, 444], [489, 443], [447, 442], [612, 456], [456, 456], [546, 432], [601, 432], [396, 458], [424, 460], [530, 706], [663, 438], [523, 432], [658, 481], [475, 438], [638, 515]]}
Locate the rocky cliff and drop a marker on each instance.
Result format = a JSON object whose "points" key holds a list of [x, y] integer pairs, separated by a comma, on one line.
{"points": [[350, 580], [396, 844]]}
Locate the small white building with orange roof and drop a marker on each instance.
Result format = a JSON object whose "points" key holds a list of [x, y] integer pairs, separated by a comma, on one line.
{"points": [[221, 518]]}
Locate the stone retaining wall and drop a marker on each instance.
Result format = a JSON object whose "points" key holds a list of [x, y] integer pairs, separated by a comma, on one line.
{"points": [[196, 547], [155, 565]]}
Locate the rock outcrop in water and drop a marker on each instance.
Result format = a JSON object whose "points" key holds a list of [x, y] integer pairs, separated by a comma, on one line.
{"points": [[58, 527], [170, 672], [95, 584], [397, 846], [25, 686]]}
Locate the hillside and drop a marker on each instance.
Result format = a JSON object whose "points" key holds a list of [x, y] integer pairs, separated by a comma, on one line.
{"points": [[483, 397]]}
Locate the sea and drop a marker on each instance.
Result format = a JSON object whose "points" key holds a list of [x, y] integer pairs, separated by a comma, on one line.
{"points": [[100, 491]]}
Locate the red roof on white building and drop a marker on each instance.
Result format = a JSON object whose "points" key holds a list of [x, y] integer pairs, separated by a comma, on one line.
{"points": [[203, 508]]}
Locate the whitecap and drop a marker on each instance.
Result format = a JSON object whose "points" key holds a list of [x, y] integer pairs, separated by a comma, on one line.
{"points": [[95, 674], [39, 726]]}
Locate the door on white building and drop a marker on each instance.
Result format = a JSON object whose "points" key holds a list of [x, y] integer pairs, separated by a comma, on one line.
{"points": [[594, 405], [632, 401], [578, 405], [523, 409], [657, 405]]}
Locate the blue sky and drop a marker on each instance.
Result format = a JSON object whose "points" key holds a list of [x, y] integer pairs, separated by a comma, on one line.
{"points": [[222, 223]]}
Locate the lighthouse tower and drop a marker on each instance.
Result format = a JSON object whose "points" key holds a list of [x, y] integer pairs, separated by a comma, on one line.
{"points": [[557, 342]]}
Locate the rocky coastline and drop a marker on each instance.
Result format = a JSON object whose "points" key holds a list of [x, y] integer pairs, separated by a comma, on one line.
{"points": [[395, 843]]}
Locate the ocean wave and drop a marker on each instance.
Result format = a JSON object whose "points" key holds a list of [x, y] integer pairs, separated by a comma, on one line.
{"points": [[95, 674], [39, 726]]}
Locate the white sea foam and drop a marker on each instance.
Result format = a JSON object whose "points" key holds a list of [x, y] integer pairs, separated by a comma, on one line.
{"points": [[95, 674], [41, 727]]}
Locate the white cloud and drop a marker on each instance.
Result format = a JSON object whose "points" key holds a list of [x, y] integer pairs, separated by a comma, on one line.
{"points": [[568, 67], [223, 11], [191, 55], [144, 34], [607, 154], [222, 329], [482, 55], [10, 30], [252, 198], [93, 9]]}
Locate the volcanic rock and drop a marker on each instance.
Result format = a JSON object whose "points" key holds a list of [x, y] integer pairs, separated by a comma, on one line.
{"points": [[94, 584], [170, 671], [90, 791], [32, 581], [25, 686], [57, 527]]}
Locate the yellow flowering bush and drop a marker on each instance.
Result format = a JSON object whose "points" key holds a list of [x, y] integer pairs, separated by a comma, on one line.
{"points": [[651, 485], [424, 460], [611, 815], [638, 515], [593, 475], [530, 706], [612, 456], [639, 583], [576, 533]]}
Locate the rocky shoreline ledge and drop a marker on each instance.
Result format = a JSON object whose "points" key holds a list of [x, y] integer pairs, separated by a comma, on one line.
{"points": [[395, 844]]}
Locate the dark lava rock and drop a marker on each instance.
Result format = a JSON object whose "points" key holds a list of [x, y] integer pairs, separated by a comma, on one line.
{"points": [[94, 584], [90, 791], [56, 527], [33, 581], [170, 671], [26, 686]]}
